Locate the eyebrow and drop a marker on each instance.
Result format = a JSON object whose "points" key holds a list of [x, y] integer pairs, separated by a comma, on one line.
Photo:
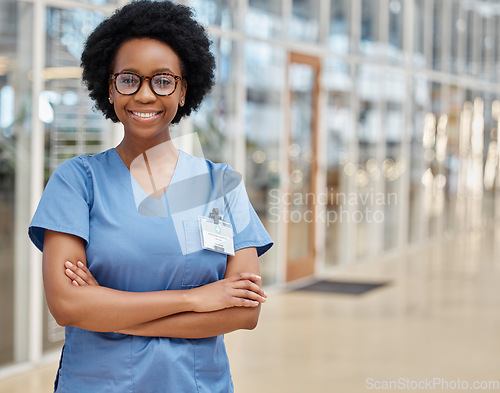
{"points": [[156, 71]]}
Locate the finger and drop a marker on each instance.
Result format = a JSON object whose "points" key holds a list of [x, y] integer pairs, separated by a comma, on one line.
{"points": [[89, 278], [70, 270], [247, 284], [246, 276], [70, 266], [82, 274], [241, 302], [75, 283], [74, 277], [249, 295]]}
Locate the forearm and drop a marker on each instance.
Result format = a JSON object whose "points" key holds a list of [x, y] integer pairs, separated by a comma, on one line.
{"points": [[79, 301], [198, 325], [93, 307], [103, 309]]}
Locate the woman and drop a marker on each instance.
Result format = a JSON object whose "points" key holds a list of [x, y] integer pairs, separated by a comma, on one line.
{"points": [[149, 254]]}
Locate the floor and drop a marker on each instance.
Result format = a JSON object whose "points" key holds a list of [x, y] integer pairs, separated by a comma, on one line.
{"points": [[436, 326]]}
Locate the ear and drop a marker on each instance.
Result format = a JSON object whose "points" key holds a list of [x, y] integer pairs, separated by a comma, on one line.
{"points": [[110, 92], [182, 98]]}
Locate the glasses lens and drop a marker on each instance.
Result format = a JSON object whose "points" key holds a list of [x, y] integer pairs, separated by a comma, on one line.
{"points": [[163, 84], [127, 83]]}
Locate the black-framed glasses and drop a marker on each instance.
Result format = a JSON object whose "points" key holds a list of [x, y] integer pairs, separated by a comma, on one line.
{"points": [[162, 84]]}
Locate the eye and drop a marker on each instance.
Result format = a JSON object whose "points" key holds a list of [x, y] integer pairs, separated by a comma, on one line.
{"points": [[127, 79], [163, 81]]}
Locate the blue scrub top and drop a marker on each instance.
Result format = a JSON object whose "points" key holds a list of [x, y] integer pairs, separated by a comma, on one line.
{"points": [[135, 242]]}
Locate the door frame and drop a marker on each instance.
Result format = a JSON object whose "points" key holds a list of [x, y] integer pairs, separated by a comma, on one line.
{"points": [[305, 266]]}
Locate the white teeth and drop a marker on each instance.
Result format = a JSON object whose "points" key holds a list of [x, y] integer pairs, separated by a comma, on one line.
{"points": [[144, 115]]}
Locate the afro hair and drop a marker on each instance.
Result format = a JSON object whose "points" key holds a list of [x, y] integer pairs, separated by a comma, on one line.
{"points": [[173, 24]]}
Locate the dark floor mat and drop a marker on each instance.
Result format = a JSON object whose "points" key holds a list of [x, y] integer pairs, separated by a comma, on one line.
{"points": [[345, 287]]}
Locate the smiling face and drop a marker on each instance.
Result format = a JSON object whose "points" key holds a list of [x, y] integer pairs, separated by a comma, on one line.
{"points": [[145, 115]]}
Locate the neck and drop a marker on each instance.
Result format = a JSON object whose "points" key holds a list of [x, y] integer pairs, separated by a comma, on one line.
{"points": [[157, 152]]}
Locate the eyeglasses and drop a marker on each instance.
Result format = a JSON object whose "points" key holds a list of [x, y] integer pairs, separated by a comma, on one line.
{"points": [[162, 84]]}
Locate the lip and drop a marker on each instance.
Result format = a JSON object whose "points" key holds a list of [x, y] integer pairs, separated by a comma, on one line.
{"points": [[136, 115]]}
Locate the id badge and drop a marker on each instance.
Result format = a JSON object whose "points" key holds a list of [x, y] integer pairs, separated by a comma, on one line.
{"points": [[216, 237]]}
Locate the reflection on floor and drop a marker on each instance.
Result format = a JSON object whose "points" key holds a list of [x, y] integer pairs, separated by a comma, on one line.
{"points": [[437, 323]]}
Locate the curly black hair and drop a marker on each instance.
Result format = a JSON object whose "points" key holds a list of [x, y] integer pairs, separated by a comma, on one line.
{"points": [[173, 24]]}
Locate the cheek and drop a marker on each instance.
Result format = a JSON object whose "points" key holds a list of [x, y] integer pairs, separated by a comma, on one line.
{"points": [[119, 107]]}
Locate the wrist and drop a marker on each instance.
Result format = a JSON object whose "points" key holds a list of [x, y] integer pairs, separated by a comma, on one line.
{"points": [[188, 299]]}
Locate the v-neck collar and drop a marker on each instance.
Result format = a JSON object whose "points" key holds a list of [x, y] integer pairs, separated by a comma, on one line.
{"points": [[132, 185]]}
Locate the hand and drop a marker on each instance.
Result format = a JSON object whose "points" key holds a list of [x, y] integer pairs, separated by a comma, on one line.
{"points": [[238, 290], [79, 274]]}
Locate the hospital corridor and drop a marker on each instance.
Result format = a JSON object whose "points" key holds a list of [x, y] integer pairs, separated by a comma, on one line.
{"points": [[433, 322]]}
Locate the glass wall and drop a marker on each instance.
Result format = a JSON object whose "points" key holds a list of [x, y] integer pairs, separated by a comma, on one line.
{"points": [[421, 123], [439, 37], [340, 27], [496, 49], [419, 19], [221, 13], [264, 19], [394, 165], [72, 127], [368, 173], [456, 31], [8, 41], [435, 175], [305, 20], [337, 83], [15, 114], [370, 28], [449, 153], [490, 160], [472, 40], [265, 83], [395, 30], [216, 122]]}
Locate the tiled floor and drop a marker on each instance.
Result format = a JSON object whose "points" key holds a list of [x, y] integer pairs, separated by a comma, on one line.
{"points": [[437, 325]]}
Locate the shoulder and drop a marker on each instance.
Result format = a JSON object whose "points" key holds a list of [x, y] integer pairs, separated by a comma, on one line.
{"points": [[221, 174], [73, 168], [205, 163], [80, 169], [83, 163]]}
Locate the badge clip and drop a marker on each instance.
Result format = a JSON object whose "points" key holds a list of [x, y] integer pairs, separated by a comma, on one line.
{"points": [[214, 215]]}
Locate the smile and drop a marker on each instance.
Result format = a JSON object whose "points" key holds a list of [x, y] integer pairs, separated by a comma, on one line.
{"points": [[145, 115]]}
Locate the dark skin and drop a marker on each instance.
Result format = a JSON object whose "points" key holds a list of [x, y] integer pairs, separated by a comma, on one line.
{"points": [[73, 295], [202, 323]]}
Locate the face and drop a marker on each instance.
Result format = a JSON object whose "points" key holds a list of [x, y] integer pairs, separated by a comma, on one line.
{"points": [[145, 115]]}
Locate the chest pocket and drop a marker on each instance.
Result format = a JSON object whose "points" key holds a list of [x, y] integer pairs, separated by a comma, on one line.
{"points": [[201, 266]]}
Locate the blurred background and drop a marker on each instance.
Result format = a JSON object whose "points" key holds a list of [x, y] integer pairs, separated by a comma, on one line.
{"points": [[366, 132]]}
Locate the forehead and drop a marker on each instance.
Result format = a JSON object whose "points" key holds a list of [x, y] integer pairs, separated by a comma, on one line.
{"points": [[146, 56]]}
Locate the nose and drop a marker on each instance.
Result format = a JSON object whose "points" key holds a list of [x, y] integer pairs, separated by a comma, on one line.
{"points": [[145, 94]]}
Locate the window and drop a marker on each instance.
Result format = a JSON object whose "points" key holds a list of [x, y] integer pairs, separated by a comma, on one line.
{"points": [[265, 82], [221, 13], [264, 18], [304, 25], [340, 26], [338, 85]]}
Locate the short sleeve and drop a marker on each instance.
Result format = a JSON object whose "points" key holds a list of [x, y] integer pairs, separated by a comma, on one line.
{"points": [[247, 227], [65, 203]]}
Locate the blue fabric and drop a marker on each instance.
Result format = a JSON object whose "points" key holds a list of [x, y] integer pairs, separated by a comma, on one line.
{"points": [[138, 243]]}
